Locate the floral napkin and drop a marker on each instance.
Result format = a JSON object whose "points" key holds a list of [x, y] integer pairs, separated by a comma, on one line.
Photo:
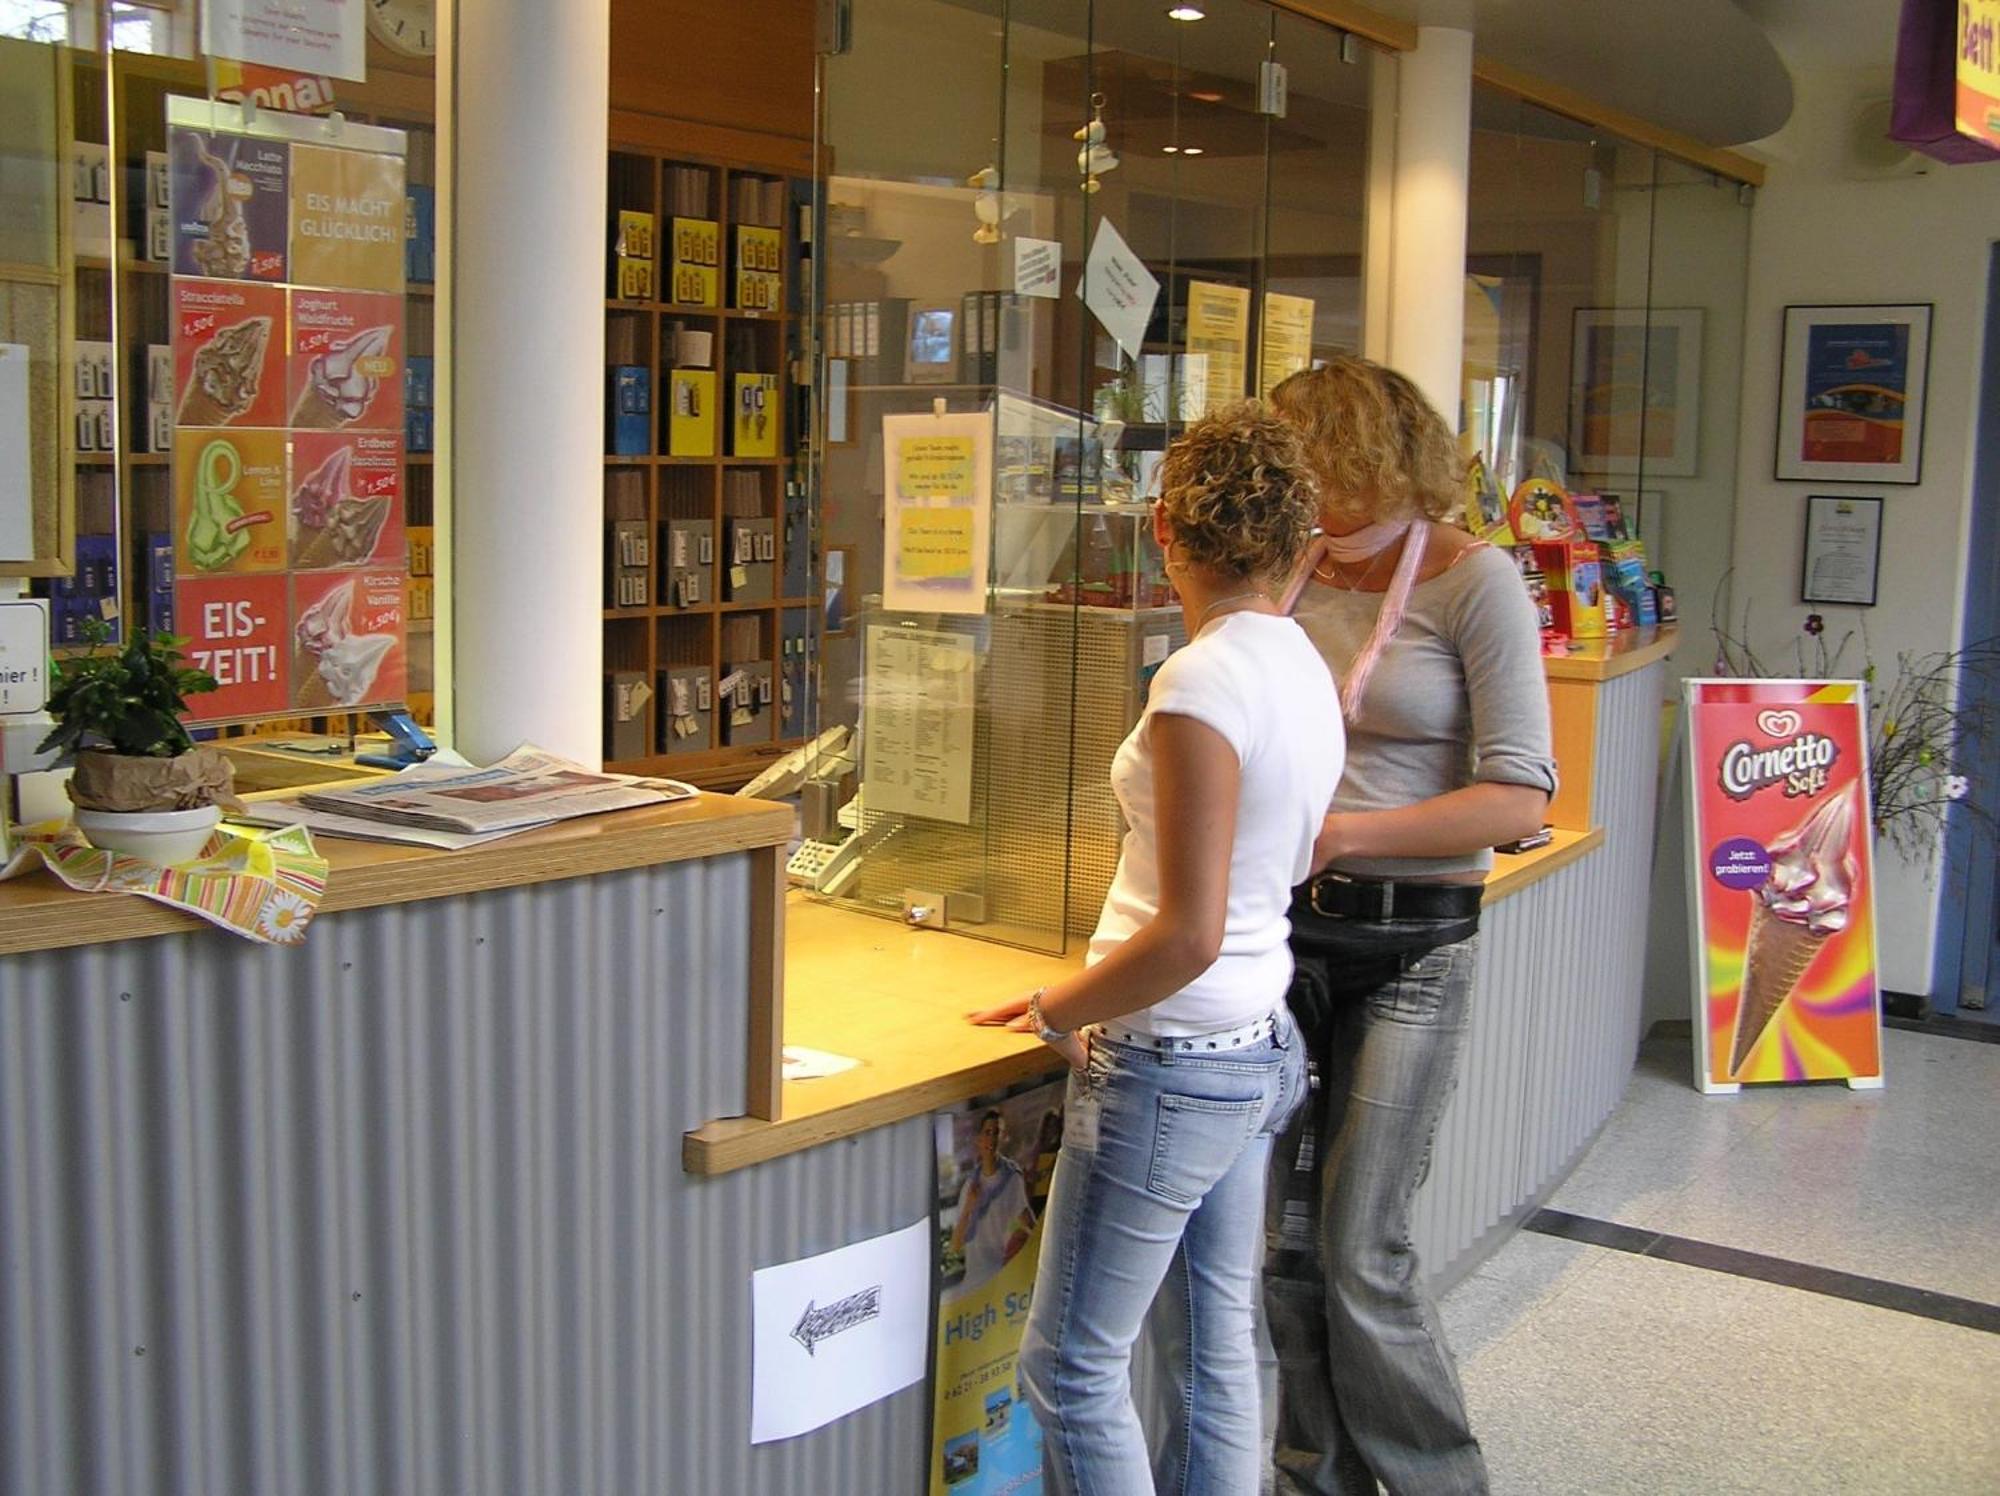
{"points": [[261, 884]]}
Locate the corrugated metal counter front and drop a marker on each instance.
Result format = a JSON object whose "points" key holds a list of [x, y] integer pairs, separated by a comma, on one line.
{"points": [[402, 1211]]}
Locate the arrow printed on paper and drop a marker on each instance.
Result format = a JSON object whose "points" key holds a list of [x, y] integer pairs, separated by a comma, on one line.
{"points": [[818, 1324]]}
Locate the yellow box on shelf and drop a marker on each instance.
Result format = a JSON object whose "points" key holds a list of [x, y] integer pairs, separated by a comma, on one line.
{"points": [[691, 415], [697, 262]]}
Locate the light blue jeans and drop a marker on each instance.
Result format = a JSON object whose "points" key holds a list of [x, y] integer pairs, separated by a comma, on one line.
{"points": [[1161, 1179]]}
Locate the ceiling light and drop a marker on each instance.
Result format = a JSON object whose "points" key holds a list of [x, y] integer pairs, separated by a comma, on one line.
{"points": [[1186, 13], [1190, 150], [1170, 149], [1205, 96]]}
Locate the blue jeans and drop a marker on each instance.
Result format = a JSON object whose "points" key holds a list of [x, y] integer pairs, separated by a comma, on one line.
{"points": [[1367, 1387], [1160, 1180]]}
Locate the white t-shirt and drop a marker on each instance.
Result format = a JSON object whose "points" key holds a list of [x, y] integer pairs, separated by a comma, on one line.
{"points": [[990, 1225], [1257, 680]]}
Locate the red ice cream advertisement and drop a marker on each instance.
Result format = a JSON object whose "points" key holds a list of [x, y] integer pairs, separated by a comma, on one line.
{"points": [[229, 354], [346, 500], [235, 628], [346, 361], [1783, 884], [347, 640]]}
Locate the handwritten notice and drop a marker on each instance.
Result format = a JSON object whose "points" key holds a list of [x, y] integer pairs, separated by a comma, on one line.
{"points": [[936, 467], [1118, 288], [937, 513], [917, 723], [307, 36], [1037, 268], [1286, 346], [935, 544]]}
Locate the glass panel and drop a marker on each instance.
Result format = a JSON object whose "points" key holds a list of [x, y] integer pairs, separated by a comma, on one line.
{"points": [[1685, 493], [1318, 194], [174, 208], [1053, 216]]}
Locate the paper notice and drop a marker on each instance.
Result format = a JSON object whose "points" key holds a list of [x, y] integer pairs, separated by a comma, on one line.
{"points": [[1118, 288], [834, 1333], [936, 467], [1218, 325], [1287, 342], [1037, 268]]}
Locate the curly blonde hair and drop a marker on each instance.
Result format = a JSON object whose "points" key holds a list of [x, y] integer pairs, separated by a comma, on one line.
{"points": [[1379, 449], [1238, 492]]}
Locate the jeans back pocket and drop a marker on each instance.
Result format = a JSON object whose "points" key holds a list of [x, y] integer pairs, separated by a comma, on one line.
{"points": [[1195, 1142]]}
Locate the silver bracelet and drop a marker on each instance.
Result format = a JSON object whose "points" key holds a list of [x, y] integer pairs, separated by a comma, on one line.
{"points": [[1042, 1030]]}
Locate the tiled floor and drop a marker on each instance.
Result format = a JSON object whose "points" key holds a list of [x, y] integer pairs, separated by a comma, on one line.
{"points": [[1594, 1370]]}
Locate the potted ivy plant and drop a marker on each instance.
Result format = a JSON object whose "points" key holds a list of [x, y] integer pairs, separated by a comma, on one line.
{"points": [[141, 786]]}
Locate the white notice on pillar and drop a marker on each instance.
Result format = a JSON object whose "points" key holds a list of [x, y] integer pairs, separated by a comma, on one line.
{"points": [[323, 38], [833, 1333]]}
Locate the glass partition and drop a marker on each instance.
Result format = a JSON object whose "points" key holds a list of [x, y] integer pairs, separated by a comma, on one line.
{"points": [[1603, 326], [187, 256], [1048, 244]]}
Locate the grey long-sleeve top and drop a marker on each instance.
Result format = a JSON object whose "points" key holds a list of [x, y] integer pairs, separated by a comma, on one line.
{"points": [[1458, 697]]}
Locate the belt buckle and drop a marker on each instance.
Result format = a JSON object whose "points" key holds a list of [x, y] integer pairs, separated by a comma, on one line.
{"points": [[1312, 893]]}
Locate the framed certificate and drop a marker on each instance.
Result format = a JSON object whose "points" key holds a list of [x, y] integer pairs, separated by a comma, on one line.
{"points": [[1843, 559]]}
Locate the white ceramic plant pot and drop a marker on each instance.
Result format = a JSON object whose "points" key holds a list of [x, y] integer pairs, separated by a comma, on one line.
{"points": [[164, 838]]}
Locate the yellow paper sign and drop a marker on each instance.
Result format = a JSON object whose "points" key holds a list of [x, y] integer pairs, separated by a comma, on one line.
{"points": [[934, 545], [935, 467]]}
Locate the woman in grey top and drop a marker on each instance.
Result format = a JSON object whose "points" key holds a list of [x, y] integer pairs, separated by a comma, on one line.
{"points": [[1434, 641]]}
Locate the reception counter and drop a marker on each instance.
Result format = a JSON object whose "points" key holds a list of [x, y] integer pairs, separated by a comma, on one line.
{"points": [[465, 1194]]}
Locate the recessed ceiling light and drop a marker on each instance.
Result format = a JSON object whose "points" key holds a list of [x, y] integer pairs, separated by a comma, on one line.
{"points": [[1190, 150], [1205, 96], [1186, 13], [1170, 149]]}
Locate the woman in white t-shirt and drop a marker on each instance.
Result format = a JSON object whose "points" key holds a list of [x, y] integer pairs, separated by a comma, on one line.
{"points": [[1184, 1060]]}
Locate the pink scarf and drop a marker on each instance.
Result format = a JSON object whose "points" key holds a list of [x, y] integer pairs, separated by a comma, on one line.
{"points": [[1369, 541]]}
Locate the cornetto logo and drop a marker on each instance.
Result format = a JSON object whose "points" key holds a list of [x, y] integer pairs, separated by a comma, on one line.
{"points": [[1802, 762]]}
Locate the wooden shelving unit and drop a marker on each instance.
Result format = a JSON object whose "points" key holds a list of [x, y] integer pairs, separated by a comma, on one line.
{"points": [[761, 626]]}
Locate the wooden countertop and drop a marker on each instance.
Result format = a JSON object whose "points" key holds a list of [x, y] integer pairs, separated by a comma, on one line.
{"points": [[1607, 659], [39, 913], [896, 999]]}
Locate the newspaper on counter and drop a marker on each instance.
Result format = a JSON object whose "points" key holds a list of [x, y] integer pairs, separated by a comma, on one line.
{"points": [[526, 789]]}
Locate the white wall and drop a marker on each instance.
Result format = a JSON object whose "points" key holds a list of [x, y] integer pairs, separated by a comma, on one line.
{"points": [[1817, 236]]}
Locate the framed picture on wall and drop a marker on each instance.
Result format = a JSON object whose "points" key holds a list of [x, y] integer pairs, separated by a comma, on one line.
{"points": [[1635, 390], [1843, 559], [1851, 399]]}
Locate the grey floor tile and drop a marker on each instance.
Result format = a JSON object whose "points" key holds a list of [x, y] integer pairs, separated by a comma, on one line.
{"points": [[1647, 1376], [1518, 1281]]}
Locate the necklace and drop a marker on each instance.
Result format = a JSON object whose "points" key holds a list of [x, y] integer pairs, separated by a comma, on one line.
{"points": [[1201, 618], [1350, 582]]}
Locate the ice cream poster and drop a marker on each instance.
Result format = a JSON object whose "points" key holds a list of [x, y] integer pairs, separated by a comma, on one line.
{"points": [[345, 370], [345, 499], [229, 502], [235, 628], [1782, 884], [347, 640], [229, 354], [231, 205]]}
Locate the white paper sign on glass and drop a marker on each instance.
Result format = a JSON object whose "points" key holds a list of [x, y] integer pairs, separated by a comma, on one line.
{"points": [[833, 1333], [326, 38], [17, 476], [1118, 288], [1037, 268]]}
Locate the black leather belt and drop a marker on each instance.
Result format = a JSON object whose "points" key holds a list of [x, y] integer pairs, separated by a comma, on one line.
{"points": [[1337, 896]]}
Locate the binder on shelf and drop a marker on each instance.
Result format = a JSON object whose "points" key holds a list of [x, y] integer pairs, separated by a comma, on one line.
{"points": [[759, 269], [690, 558], [754, 428], [629, 419], [687, 709], [626, 708], [697, 262]]}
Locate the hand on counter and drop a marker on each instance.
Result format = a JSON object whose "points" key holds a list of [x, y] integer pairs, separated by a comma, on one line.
{"points": [[1014, 1015]]}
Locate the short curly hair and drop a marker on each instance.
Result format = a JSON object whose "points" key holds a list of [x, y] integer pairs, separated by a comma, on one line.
{"points": [[1379, 449], [1238, 492]]}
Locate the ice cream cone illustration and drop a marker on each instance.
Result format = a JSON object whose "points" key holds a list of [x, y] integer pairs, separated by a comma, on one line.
{"points": [[338, 390], [331, 526], [347, 671], [225, 253], [226, 374], [1803, 903]]}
